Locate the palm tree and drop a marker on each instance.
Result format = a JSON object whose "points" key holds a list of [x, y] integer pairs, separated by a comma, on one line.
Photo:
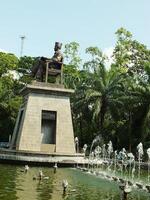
{"points": [[102, 91]]}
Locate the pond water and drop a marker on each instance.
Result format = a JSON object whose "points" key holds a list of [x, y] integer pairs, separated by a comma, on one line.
{"points": [[17, 185]]}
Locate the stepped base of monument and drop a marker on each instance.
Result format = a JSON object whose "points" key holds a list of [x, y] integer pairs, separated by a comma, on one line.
{"points": [[38, 158]]}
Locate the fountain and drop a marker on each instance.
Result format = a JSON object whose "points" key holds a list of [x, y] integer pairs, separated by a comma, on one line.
{"points": [[100, 184], [140, 154], [55, 167], [41, 174], [21, 186], [121, 167], [148, 153], [26, 168], [76, 141], [84, 149], [64, 185], [104, 151], [110, 149], [131, 161]]}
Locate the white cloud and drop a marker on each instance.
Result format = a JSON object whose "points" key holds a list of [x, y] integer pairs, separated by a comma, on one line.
{"points": [[108, 52], [4, 51]]}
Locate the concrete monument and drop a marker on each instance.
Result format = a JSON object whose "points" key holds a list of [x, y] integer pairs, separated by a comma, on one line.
{"points": [[44, 122]]}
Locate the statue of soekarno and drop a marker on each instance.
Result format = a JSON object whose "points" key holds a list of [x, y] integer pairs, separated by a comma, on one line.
{"points": [[39, 68]]}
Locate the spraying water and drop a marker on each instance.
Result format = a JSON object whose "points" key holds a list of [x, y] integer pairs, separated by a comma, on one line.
{"points": [[148, 153], [140, 154]]}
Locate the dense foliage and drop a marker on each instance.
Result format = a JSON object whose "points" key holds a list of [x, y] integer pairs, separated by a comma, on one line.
{"points": [[114, 102]]}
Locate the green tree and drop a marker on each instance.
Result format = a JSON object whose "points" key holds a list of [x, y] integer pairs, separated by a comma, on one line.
{"points": [[8, 63], [71, 70], [9, 101], [130, 54], [132, 58], [24, 69], [71, 54]]}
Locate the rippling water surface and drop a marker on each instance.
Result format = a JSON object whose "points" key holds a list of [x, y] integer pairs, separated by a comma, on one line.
{"points": [[17, 185]]}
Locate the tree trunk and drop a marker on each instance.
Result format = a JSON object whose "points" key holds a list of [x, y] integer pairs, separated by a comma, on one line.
{"points": [[102, 113], [81, 132], [130, 131]]}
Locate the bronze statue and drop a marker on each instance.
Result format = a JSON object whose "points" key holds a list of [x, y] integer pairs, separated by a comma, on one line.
{"points": [[39, 69]]}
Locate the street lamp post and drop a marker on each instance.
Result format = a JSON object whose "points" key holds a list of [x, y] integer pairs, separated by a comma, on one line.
{"points": [[22, 44]]}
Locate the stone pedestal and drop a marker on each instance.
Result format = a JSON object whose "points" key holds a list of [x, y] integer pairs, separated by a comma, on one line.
{"points": [[44, 122]]}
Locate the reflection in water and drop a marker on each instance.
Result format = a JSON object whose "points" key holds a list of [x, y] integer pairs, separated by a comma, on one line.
{"points": [[17, 185], [25, 186], [7, 182]]}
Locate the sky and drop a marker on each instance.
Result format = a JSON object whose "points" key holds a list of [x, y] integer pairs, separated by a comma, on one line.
{"points": [[88, 22]]}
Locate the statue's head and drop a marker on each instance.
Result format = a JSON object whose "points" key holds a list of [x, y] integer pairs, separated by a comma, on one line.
{"points": [[58, 45]]}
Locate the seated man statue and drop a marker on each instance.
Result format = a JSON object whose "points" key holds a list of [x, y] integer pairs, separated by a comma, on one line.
{"points": [[39, 69]]}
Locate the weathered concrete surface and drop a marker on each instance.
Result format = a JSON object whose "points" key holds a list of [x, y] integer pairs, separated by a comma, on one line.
{"points": [[40, 158], [27, 133]]}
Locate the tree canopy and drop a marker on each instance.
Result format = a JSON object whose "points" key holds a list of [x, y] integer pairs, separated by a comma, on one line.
{"points": [[114, 103]]}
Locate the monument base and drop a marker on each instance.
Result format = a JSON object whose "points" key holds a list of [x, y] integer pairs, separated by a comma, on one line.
{"points": [[44, 122], [43, 133], [32, 158]]}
